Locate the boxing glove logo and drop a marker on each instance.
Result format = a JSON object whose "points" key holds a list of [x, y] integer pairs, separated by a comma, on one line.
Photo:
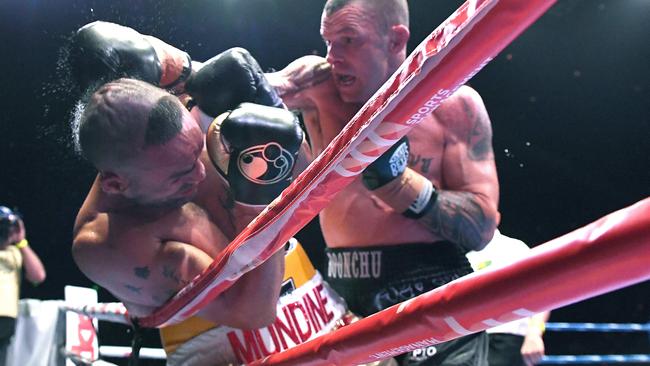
{"points": [[265, 164]]}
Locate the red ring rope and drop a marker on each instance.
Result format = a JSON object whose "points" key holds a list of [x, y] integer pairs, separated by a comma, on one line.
{"points": [[603, 256]]}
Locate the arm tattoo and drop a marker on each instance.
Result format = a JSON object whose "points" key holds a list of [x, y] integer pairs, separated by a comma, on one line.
{"points": [[424, 163], [479, 140], [307, 77], [142, 272], [137, 290], [162, 299], [458, 218], [170, 273]]}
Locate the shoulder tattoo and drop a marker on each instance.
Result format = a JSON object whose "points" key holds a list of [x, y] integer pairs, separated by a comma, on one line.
{"points": [[479, 139]]}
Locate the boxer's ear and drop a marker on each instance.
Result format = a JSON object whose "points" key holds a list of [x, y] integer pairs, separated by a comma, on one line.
{"points": [[112, 182], [399, 37]]}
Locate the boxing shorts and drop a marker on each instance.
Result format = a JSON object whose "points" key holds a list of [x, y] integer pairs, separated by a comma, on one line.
{"points": [[307, 308], [371, 279], [505, 350]]}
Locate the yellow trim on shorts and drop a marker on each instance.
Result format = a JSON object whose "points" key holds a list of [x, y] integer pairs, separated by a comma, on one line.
{"points": [[297, 266], [173, 336]]}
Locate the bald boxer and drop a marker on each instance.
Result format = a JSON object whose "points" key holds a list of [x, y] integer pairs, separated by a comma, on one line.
{"points": [[16, 256], [403, 227]]}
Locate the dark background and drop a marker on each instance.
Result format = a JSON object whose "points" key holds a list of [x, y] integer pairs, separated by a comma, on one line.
{"points": [[569, 102]]}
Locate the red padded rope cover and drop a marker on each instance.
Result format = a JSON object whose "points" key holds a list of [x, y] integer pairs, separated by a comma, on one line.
{"points": [[445, 60], [603, 256]]}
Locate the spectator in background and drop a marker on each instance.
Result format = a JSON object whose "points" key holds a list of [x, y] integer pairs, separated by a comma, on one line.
{"points": [[519, 342], [15, 254]]}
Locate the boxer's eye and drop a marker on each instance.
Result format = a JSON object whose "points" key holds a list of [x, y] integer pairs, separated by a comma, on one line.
{"points": [[177, 176]]}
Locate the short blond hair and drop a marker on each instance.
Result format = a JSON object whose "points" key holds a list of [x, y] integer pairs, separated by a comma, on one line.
{"points": [[387, 12]]}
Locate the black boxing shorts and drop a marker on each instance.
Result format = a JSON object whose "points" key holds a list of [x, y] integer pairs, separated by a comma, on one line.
{"points": [[505, 349], [374, 278], [371, 279]]}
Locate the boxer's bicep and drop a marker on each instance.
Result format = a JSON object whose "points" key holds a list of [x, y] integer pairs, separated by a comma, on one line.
{"points": [[176, 264], [466, 207], [468, 158], [150, 284], [107, 267]]}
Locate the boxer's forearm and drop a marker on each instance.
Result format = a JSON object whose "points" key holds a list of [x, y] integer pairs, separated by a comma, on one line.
{"points": [[467, 219], [254, 296], [463, 218]]}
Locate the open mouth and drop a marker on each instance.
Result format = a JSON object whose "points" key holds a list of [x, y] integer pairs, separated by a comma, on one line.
{"points": [[188, 190], [345, 80]]}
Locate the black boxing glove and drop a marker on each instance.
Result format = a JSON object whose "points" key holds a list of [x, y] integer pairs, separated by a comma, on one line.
{"points": [[255, 148], [228, 79], [102, 52], [400, 187]]}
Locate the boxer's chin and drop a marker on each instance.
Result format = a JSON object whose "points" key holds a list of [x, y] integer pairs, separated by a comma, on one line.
{"points": [[170, 203], [348, 88], [349, 95], [353, 93], [359, 99], [175, 203]]}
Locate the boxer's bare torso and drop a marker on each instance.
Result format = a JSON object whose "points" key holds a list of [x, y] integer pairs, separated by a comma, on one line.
{"points": [[144, 255], [455, 139]]}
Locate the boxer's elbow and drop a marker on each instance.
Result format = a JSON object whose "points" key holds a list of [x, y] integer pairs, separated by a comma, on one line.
{"points": [[486, 235], [480, 217], [244, 312], [262, 317], [258, 311], [251, 316], [487, 226], [254, 298]]}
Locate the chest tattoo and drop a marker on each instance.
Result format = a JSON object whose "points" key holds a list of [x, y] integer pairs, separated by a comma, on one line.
{"points": [[134, 289], [418, 162], [142, 272]]}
